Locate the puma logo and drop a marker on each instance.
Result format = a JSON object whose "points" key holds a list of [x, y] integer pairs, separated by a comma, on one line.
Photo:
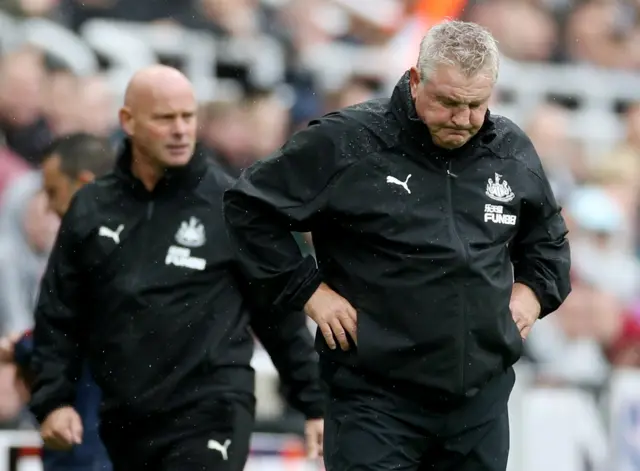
{"points": [[113, 235], [403, 184], [215, 445]]}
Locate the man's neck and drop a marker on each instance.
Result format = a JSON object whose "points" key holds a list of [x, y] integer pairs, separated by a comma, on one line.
{"points": [[141, 167]]}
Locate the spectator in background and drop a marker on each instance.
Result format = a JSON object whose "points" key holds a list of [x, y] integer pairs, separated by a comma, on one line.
{"points": [[237, 133], [239, 18], [71, 162], [27, 232], [11, 165], [604, 34], [355, 90], [624, 351], [29, 8], [618, 172], [223, 131], [524, 30], [97, 108], [79, 11], [268, 123], [22, 80], [79, 104], [61, 101], [597, 225], [567, 349], [548, 129]]}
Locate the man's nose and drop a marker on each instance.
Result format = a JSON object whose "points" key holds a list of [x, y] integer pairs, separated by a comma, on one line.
{"points": [[461, 117], [179, 127]]}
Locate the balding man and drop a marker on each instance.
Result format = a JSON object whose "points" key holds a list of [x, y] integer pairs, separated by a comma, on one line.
{"points": [[143, 282]]}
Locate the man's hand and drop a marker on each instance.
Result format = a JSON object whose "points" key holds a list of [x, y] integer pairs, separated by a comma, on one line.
{"points": [[334, 315], [62, 429], [7, 347], [314, 437], [525, 308]]}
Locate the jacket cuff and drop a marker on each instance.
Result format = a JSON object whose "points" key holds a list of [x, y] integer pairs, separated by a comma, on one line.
{"points": [[304, 282], [41, 412], [42, 408], [313, 410]]}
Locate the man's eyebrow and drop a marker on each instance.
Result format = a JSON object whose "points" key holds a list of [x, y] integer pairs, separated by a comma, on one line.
{"points": [[459, 101]]}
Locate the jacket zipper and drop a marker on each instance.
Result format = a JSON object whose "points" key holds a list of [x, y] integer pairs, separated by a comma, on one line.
{"points": [[148, 216], [454, 232]]}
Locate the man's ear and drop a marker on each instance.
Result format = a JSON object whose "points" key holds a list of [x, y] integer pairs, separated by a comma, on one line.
{"points": [[126, 120], [414, 81], [84, 177]]}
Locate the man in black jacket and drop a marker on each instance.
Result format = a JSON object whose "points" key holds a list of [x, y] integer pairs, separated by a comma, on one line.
{"points": [[143, 283], [439, 244]]}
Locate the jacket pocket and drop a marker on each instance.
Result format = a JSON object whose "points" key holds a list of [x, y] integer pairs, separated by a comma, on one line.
{"points": [[514, 342]]}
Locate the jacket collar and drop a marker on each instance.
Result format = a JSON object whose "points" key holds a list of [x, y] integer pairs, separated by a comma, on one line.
{"points": [[185, 177], [413, 128]]}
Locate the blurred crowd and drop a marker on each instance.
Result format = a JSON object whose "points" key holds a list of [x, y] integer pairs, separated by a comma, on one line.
{"points": [[41, 98]]}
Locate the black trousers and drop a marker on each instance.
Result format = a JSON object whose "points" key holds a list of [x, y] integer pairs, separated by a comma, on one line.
{"points": [[209, 436], [372, 426]]}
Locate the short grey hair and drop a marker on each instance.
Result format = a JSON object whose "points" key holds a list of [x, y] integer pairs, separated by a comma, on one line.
{"points": [[467, 46]]}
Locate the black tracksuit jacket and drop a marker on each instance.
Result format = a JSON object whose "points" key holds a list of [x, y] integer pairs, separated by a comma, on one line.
{"points": [[424, 243], [146, 286]]}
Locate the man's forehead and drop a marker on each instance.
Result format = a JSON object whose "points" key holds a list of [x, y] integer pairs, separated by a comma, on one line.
{"points": [[165, 101], [451, 82]]}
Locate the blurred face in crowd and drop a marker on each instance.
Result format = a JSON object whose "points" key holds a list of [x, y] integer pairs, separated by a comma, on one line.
{"points": [[354, 93], [633, 126], [59, 186], [269, 125], [452, 105], [61, 105], [21, 83], [224, 129], [40, 224], [98, 108], [160, 117]]}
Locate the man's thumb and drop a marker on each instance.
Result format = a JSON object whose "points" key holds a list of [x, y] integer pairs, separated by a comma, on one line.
{"points": [[312, 443], [312, 448], [75, 426]]}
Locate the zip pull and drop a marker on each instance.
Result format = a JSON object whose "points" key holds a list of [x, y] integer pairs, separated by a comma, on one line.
{"points": [[449, 172]]}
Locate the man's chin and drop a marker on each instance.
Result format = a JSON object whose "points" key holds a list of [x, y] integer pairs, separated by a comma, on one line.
{"points": [[452, 140], [178, 159], [451, 144]]}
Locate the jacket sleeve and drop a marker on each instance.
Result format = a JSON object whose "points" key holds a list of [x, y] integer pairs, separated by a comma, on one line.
{"points": [[540, 252], [23, 350], [279, 195], [288, 341], [56, 358]]}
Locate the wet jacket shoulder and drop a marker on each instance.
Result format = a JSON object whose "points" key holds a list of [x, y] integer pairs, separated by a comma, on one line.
{"points": [[319, 156]]}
